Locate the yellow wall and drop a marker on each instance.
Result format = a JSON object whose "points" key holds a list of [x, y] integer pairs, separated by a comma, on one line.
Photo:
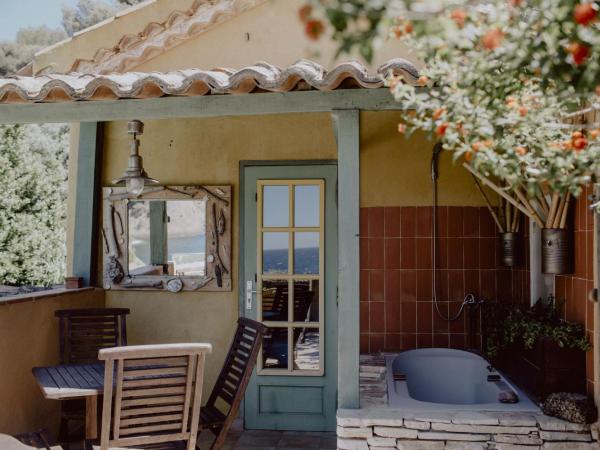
{"points": [[395, 171], [30, 339], [208, 151], [270, 32]]}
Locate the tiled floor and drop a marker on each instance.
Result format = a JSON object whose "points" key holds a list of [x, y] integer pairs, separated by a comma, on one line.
{"points": [[240, 439]]}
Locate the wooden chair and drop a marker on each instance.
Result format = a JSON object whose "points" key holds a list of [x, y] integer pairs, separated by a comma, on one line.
{"points": [[10, 443], [153, 395], [82, 333], [233, 380], [37, 439]]}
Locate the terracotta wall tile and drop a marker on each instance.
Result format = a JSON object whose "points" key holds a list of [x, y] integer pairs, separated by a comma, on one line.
{"points": [[408, 285], [423, 249], [424, 340], [376, 222], [376, 285], [408, 219], [408, 341], [455, 221], [442, 221], [376, 342], [424, 317], [470, 222], [455, 253], [408, 317], [392, 286], [424, 280], [392, 318], [364, 343], [441, 340], [392, 222], [364, 317], [377, 317], [392, 342], [471, 253], [408, 253], [364, 285], [364, 222], [424, 221], [392, 253], [376, 253]]}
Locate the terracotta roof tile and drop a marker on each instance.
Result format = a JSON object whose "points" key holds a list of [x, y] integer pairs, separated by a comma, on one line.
{"points": [[302, 75]]}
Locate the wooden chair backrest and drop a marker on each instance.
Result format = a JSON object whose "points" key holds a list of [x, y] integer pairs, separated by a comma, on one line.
{"points": [[10, 443], [239, 363], [153, 394], [83, 332]]}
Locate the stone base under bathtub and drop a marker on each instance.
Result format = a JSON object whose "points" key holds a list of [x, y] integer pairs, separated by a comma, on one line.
{"points": [[377, 427], [381, 429]]}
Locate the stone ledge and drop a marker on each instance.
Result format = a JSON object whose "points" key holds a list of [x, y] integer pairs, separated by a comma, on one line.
{"points": [[379, 428]]}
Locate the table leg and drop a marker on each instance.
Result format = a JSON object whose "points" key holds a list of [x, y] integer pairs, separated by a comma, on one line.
{"points": [[91, 417]]}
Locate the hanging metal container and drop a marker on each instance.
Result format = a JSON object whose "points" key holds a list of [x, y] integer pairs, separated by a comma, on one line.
{"points": [[556, 251], [509, 249]]}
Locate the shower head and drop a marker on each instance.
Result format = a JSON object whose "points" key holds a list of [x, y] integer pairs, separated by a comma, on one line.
{"points": [[437, 149]]}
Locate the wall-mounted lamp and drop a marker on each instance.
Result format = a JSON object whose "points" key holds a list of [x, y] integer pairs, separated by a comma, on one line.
{"points": [[135, 177]]}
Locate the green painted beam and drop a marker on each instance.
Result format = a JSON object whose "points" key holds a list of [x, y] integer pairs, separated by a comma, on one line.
{"points": [[199, 106], [87, 202], [347, 129]]}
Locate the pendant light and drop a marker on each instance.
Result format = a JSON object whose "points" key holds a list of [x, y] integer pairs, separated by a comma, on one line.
{"points": [[135, 177]]}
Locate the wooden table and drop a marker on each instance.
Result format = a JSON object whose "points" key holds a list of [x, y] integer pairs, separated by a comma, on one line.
{"points": [[74, 381]]}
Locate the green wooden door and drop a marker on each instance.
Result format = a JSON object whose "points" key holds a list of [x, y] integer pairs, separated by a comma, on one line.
{"points": [[289, 227]]}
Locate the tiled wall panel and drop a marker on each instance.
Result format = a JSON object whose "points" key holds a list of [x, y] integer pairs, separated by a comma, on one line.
{"points": [[573, 289], [396, 307]]}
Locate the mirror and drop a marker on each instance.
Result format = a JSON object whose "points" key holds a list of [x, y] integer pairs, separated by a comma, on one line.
{"points": [[171, 237], [167, 237]]}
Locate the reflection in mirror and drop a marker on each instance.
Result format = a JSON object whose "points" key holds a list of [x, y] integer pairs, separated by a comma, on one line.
{"points": [[167, 237], [306, 349], [274, 300], [275, 348]]}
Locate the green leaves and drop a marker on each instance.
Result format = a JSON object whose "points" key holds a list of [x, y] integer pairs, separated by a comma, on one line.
{"points": [[505, 76]]}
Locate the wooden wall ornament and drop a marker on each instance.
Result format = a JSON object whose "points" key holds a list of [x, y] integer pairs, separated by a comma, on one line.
{"points": [[115, 234]]}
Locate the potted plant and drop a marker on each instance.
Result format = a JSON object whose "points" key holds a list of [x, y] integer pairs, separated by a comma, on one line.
{"points": [[536, 348]]}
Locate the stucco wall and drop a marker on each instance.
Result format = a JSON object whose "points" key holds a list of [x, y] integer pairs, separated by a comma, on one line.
{"points": [[30, 339], [208, 151], [269, 32]]}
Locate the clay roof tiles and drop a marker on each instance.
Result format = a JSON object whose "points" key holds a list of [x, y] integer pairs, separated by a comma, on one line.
{"points": [[261, 77]]}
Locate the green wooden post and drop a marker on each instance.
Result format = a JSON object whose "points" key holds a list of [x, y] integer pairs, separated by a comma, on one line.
{"points": [[347, 131], [87, 202]]}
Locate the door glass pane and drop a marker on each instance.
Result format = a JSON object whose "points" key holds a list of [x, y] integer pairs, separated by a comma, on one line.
{"points": [[276, 208], [275, 252], [306, 253], [275, 348], [275, 300], [306, 301], [306, 349], [306, 205]]}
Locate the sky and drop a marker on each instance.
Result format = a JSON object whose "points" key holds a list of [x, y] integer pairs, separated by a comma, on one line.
{"points": [[17, 14]]}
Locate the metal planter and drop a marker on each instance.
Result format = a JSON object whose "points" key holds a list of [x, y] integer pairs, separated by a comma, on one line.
{"points": [[509, 249], [557, 254]]}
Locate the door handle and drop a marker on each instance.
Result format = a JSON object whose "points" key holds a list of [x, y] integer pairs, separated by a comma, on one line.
{"points": [[249, 293]]}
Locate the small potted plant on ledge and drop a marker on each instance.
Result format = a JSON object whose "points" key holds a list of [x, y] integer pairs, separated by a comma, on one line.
{"points": [[536, 348]]}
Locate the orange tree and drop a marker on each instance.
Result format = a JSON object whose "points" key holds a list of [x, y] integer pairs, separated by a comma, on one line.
{"points": [[501, 80]]}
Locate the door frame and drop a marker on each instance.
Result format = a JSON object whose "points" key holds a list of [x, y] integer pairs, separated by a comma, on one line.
{"points": [[242, 209], [241, 213]]}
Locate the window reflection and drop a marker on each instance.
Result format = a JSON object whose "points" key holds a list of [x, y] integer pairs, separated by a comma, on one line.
{"points": [[307, 205], [275, 300], [306, 349], [275, 348], [276, 208], [306, 253], [306, 301], [275, 252]]}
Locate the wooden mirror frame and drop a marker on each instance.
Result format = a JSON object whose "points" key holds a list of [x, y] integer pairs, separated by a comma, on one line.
{"points": [[218, 240]]}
